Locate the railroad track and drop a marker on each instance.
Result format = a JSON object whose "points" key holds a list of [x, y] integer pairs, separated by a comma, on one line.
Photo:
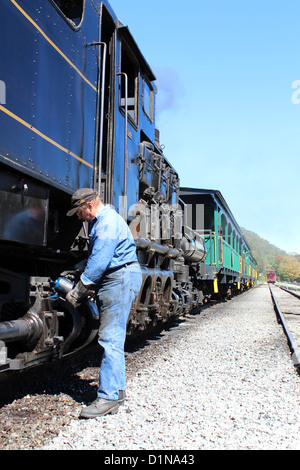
{"points": [[287, 308]]}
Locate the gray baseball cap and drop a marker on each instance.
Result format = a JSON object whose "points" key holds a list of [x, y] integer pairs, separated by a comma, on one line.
{"points": [[80, 198]]}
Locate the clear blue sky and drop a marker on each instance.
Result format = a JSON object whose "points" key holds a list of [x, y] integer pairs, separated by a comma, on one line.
{"points": [[225, 71]]}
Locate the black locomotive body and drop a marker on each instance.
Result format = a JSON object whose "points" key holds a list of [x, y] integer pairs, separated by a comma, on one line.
{"points": [[77, 109]]}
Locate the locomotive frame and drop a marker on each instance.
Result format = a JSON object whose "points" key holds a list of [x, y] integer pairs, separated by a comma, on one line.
{"points": [[79, 111]]}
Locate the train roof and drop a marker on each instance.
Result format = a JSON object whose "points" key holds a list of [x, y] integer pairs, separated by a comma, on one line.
{"points": [[215, 194], [218, 198]]}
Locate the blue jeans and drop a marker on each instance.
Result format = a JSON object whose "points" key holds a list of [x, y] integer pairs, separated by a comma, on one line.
{"points": [[117, 292]]}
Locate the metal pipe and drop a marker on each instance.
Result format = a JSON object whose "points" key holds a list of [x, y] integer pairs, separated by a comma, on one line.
{"points": [[27, 328], [148, 246], [16, 330]]}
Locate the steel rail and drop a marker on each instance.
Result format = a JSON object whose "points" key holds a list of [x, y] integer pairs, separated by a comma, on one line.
{"points": [[290, 292], [292, 345]]}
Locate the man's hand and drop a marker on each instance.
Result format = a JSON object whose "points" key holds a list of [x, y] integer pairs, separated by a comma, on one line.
{"points": [[77, 294]]}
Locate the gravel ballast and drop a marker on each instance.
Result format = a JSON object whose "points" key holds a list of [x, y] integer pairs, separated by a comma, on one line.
{"points": [[223, 380]]}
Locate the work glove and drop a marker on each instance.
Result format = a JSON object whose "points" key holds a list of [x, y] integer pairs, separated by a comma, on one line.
{"points": [[77, 294], [74, 273]]}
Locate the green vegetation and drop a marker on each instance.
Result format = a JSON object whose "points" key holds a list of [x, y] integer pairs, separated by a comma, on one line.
{"points": [[287, 266]]}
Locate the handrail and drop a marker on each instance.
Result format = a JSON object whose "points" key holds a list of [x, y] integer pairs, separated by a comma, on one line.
{"points": [[101, 85], [211, 249], [221, 249], [125, 142]]}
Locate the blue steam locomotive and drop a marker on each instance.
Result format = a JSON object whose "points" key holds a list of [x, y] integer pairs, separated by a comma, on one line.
{"points": [[77, 109]]}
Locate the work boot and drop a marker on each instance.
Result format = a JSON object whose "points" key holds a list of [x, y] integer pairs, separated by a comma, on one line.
{"points": [[100, 407], [122, 397]]}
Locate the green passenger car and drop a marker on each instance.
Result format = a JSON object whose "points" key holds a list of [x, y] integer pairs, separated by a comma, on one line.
{"points": [[229, 262]]}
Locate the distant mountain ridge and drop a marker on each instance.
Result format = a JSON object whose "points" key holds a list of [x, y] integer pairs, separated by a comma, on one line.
{"points": [[269, 256]]}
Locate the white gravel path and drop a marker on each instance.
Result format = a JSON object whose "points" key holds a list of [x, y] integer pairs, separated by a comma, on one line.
{"points": [[226, 381]]}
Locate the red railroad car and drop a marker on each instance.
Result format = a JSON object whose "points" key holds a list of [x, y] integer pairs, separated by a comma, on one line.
{"points": [[271, 276]]}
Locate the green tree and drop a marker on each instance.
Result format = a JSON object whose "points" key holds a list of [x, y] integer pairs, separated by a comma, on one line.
{"points": [[289, 269]]}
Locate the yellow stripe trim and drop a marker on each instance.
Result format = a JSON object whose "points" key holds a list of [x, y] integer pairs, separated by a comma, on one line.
{"points": [[36, 131], [52, 43]]}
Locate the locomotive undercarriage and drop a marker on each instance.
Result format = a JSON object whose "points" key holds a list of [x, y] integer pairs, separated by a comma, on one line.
{"points": [[37, 325]]}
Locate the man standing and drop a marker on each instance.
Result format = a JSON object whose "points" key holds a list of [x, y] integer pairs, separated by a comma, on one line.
{"points": [[114, 273]]}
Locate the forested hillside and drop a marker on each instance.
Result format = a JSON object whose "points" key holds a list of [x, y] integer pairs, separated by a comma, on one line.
{"points": [[268, 256]]}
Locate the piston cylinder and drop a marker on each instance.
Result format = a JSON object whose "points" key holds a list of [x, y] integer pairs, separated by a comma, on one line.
{"points": [[193, 250], [28, 328]]}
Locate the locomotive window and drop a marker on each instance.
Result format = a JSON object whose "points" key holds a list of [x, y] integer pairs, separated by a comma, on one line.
{"points": [[72, 9], [148, 101], [130, 67]]}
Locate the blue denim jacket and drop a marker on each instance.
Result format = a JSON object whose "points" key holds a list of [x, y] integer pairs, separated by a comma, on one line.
{"points": [[111, 244]]}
